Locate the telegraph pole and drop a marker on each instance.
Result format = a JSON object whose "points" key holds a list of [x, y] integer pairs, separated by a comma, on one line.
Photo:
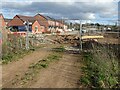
{"points": [[80, 35], [27, 37]]}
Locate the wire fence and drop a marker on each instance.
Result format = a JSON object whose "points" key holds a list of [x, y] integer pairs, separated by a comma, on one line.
{"points": [[14, 37]]}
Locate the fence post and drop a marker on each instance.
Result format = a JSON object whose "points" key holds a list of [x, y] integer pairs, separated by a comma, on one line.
{"points": [[27, 37], [80, 35], [20, 43]]}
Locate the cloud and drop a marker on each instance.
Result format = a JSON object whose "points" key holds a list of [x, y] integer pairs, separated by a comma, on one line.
{"points": [[62, 8], [60, 0]]}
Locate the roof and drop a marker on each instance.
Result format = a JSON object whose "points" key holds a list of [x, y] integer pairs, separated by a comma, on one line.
{"points": [[42, 16], [41, 23], [1, 14], [19, 20], [26, 18], [7, 20], [46, 17], [49, 18]]}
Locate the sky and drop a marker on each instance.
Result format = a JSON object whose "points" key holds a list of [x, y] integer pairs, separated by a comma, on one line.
{"points": [[89, 10]]}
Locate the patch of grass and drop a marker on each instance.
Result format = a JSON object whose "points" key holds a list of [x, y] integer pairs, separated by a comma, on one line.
{"points": [[13, 56], [85, 80], [44, 65], [44, 62]]}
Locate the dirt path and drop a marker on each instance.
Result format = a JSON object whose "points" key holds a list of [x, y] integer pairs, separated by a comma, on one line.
{"points": [[62, 74], [11, 70]]}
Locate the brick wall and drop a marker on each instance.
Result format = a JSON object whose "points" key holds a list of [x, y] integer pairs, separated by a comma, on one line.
{"points": [[38, 27]]}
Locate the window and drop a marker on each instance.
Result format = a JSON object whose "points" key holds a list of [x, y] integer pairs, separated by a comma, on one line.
{"points": [[36, 28]]}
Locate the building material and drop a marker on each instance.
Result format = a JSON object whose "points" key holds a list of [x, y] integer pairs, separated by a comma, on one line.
{"points": [[92, 37]]}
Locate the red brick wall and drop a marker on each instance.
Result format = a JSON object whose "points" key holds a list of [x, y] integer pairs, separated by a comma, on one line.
{"points": [[3, 28], [43, 21], [40, 28], [2, 21]]}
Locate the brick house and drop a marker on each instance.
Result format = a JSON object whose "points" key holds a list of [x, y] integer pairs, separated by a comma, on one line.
{"points": [[2, 22], [7, 21], [50, 24], [42, 19], [37, 24], [38, 27], [3, 30], [18, 23]]}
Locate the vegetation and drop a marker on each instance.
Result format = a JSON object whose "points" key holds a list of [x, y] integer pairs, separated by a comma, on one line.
{"points": [[6, 58], [101, 68], [44, 62], [14, 48]]}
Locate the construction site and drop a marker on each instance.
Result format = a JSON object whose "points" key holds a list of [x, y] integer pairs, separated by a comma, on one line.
{"points": [[83, 56]]}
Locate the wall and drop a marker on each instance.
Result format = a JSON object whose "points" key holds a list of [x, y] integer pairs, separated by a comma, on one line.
{"points": [[40, 28], [3, 29], [43, 21]]}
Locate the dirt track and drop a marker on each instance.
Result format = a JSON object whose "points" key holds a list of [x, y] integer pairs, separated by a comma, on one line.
{"points": [[64, 73], [19, 67]]}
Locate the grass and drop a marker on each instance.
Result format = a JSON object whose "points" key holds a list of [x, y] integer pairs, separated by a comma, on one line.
{"points": [[44, 62], [101, 69], [11, 52], [9, 57]]}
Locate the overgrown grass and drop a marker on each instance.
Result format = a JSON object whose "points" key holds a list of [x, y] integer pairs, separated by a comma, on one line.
{"points": [[101, 69], [14, 48], [13, 56]]}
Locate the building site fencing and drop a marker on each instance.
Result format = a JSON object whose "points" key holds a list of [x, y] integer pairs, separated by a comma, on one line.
{"points": [[84, 29], [98, 41]]}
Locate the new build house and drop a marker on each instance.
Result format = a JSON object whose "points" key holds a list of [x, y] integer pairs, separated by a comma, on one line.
{"points": [[51, 25], [37, 24], [19, 23]]}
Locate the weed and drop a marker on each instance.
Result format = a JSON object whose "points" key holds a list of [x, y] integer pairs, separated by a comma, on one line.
{"points": [[6, 58], [100, 69], [85, 80], [44, 65]]}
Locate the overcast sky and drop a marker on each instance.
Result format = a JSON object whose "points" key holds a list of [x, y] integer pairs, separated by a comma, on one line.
{"points": [[72, 9]]}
